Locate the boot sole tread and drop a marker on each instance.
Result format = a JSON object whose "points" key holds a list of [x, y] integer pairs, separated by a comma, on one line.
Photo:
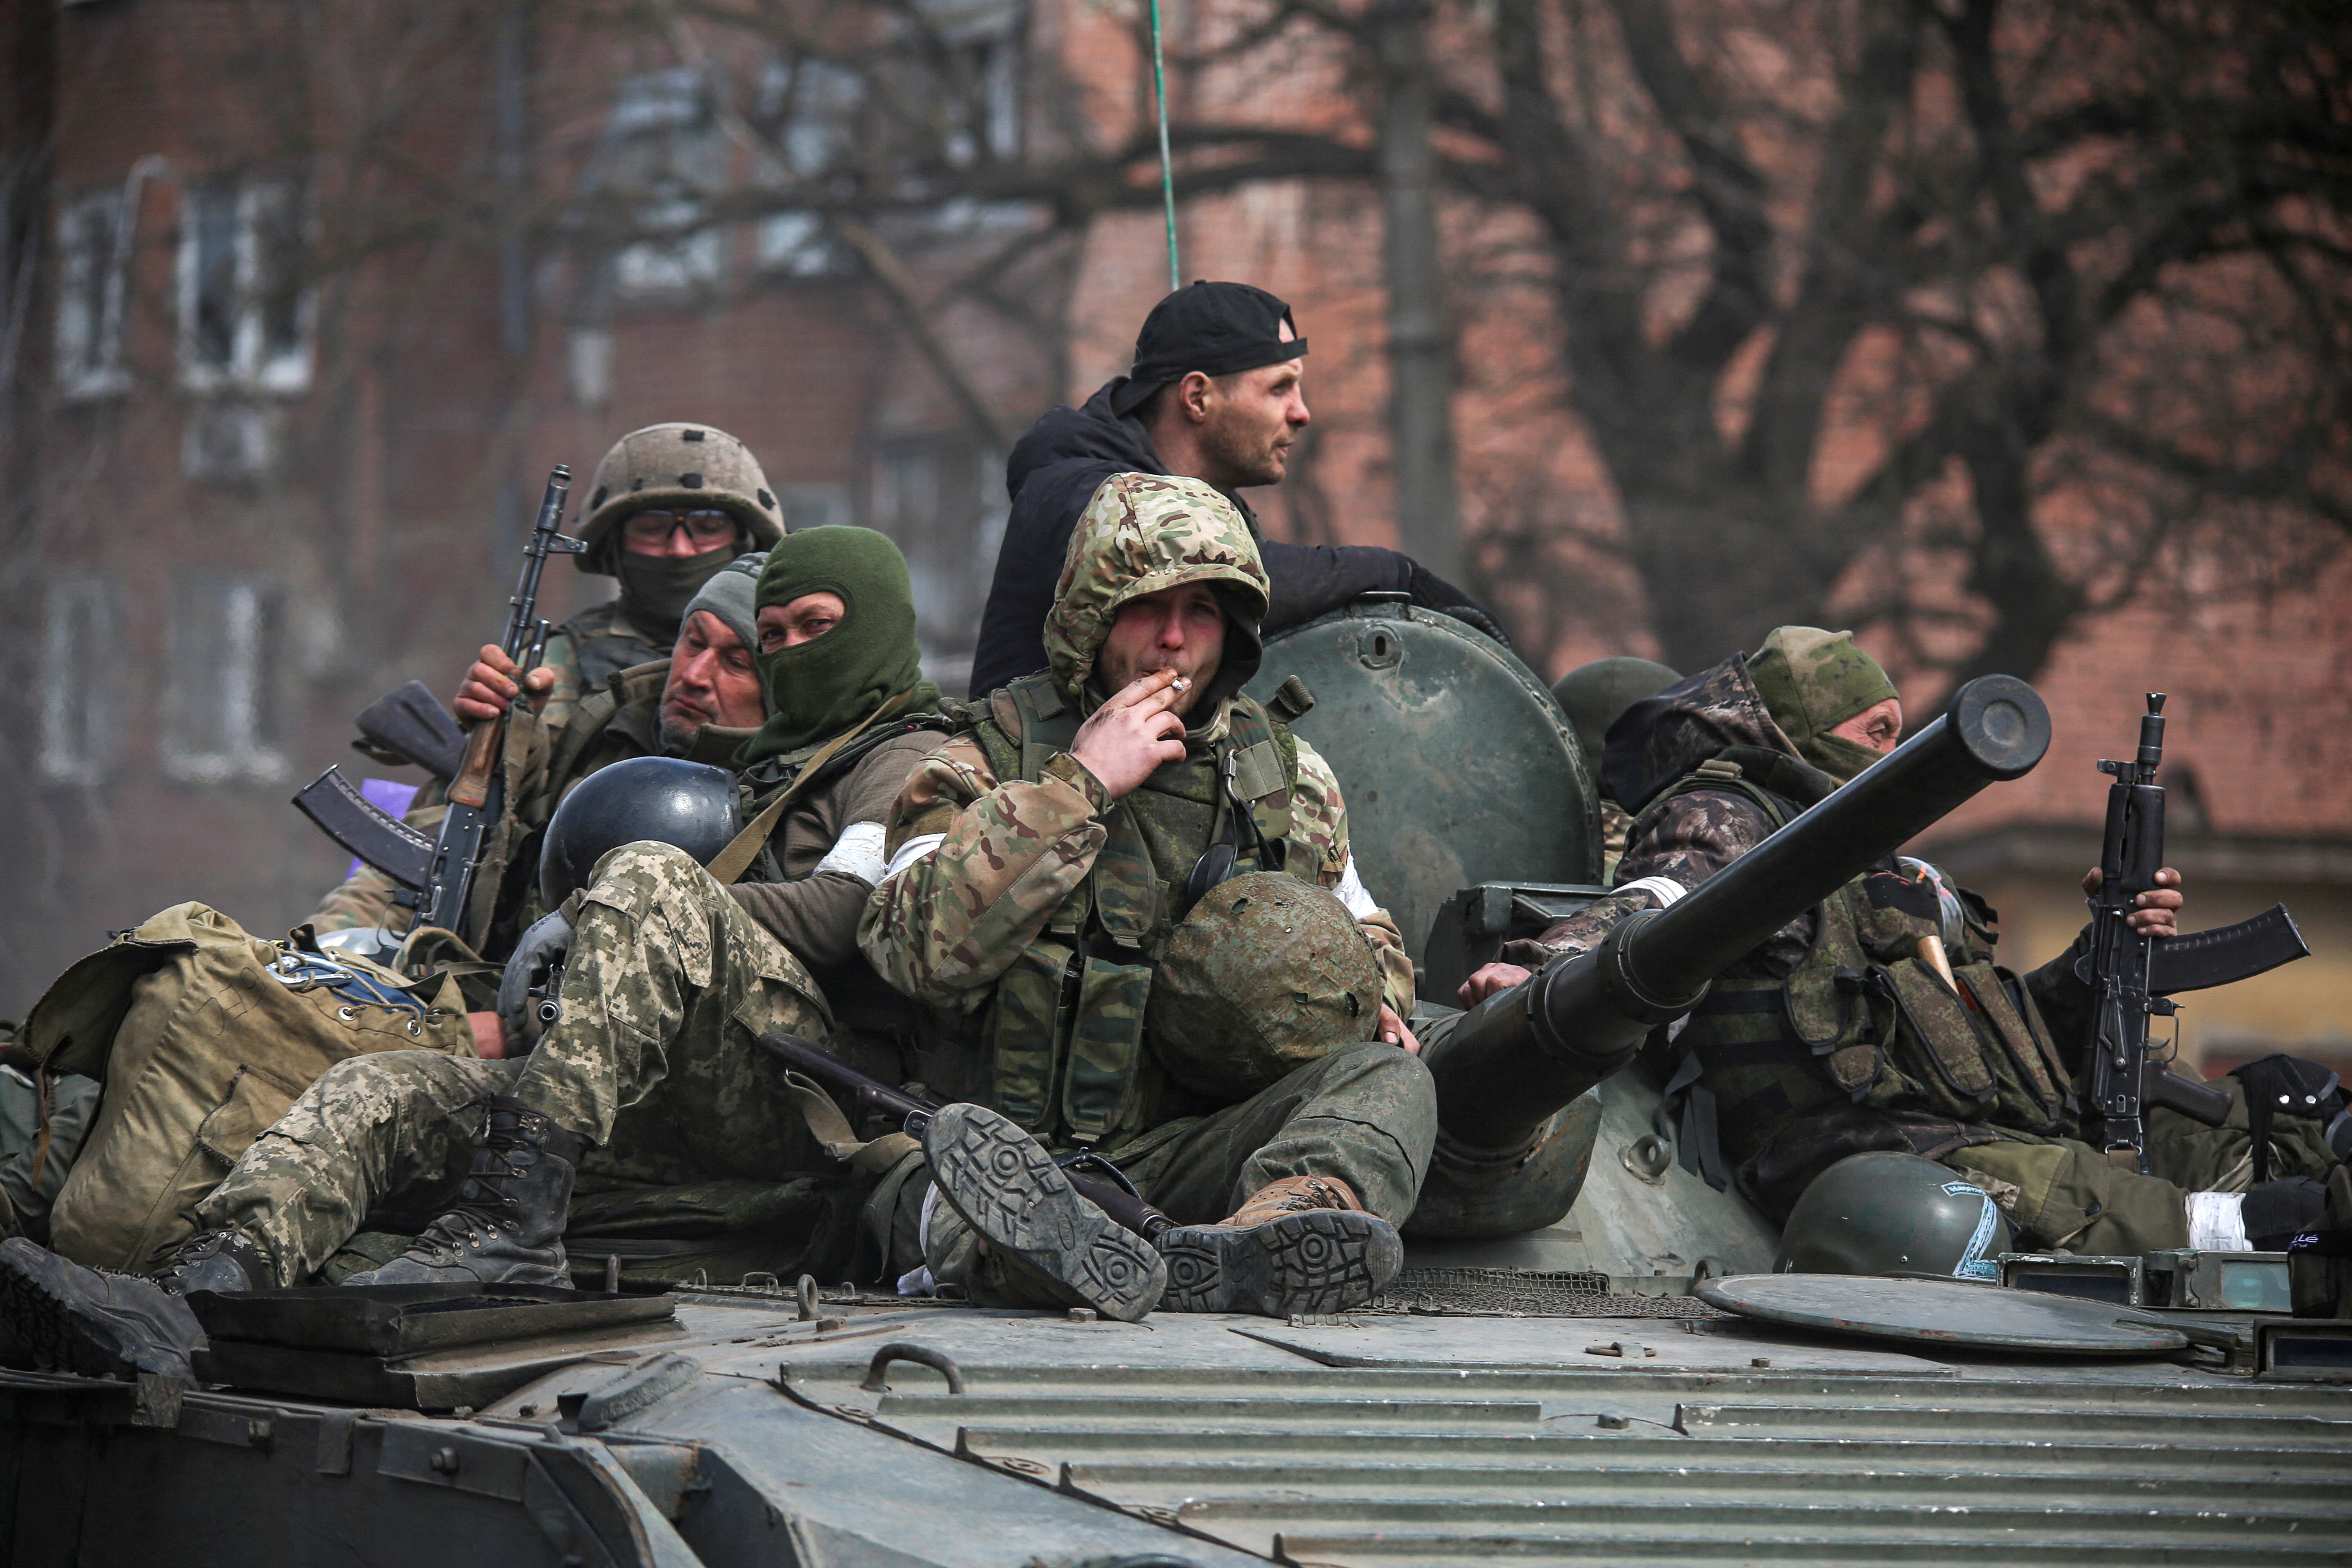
{"points": [[63, 1332], [1322, 1260], [1008, 1189]]}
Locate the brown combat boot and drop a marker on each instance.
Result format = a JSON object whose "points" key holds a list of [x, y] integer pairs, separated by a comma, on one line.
{"points": [[1303, 1243]]}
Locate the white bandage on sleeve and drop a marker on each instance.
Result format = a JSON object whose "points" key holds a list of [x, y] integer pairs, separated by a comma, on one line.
{"points": [[2217, 1222], [857, 853], [1665, 890], [910, 852], [1350, 891]]}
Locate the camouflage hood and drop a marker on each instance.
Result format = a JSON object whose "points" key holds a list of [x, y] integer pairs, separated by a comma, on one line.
{"points": [[1142, 533], [1660, 739]]}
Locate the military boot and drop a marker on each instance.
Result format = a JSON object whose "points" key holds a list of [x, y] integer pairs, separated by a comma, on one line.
{"points": [[218, 1260], [100, 1325], [506, 1226], [1037, 1226], [1303, 1243]]}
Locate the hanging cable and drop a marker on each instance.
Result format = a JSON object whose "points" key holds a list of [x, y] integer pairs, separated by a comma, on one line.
{"points": [[1167, 165]]}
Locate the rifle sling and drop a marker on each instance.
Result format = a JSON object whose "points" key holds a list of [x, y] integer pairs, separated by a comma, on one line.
{"points": [[731, 862]]}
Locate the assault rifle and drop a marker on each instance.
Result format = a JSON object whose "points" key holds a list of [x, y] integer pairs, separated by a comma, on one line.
{"points": [[2135, 976], [1098, 1180], [441, 871]]}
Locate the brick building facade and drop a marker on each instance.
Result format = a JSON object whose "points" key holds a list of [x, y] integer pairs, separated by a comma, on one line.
{"points": [[308, 301]]}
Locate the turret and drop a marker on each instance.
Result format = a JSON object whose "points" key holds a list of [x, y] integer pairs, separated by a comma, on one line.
{"points": [[1522, 1054]]}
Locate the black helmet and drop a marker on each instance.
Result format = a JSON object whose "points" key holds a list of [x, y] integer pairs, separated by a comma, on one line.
{"points": [[1886, 1213], [662, 800]]}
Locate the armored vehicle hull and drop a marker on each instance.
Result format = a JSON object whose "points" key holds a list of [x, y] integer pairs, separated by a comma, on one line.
{"points": [[1571, 1395]]}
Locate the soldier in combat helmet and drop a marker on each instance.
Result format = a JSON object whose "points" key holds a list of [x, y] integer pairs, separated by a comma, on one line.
{"points": [[1880, 1021], [1050, 867], [646, 1078], [669, 507]]}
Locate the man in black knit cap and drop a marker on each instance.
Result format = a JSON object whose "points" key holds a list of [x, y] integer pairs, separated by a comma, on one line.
{"points": [[1215, 394]]}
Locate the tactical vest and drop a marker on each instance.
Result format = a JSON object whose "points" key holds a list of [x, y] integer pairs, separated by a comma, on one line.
{"points": [[1864, 1019], [1062, 1031]]}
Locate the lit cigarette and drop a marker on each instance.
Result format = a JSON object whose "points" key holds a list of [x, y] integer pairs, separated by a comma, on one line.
{"points": [[1182, 684]]}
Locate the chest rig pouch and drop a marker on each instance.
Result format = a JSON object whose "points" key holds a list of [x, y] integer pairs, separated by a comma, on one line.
{"points": [[1866, 1017], [1062, 1033]]}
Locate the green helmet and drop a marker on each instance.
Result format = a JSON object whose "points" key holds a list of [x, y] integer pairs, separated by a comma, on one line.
{"points": [[1266, 975], [1894, 1214], [685, 466], [1593, 695]]}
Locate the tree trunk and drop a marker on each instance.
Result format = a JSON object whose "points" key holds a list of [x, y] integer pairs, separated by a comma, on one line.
{"points": [[1421, 389]]}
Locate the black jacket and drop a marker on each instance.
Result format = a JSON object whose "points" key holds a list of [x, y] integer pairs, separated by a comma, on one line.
{"points": [[1054, 471]]}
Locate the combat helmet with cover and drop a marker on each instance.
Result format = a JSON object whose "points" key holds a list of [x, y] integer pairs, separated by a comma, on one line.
{"points": [[1266, 973], [1889, 1212], [683, 467]]}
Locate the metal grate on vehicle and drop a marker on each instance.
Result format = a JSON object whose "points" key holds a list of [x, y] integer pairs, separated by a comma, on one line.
{"points": [[1510, 1293]]}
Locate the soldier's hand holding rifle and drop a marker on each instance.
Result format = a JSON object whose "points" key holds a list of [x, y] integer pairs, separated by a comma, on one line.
{"points": [[2159, 908], [492, 684]]}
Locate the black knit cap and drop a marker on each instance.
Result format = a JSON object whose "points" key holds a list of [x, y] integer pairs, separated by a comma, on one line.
{"points": [[1217, 329]]}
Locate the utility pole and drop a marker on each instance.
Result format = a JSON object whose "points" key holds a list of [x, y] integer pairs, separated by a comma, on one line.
{"points": [[1420, 370]]}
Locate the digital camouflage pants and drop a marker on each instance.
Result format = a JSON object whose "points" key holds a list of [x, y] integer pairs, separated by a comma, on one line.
{"points": [[651, 1060]]}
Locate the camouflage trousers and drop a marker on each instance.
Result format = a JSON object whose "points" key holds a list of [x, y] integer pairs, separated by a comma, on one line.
{"points": [[651, 1062], [2061, 1193], [1365, 1114]]}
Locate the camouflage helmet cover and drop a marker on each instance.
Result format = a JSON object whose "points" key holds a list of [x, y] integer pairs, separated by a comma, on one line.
{"points": [[1266, 974], [688, 467], [1887, 1213]]}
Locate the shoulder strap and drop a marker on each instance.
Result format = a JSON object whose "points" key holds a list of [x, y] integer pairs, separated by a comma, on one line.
{"points": [[588, 720], [1021, 726], [736, 859], [1728, 777]]}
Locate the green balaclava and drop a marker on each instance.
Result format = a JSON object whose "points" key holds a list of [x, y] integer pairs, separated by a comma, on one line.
{"points": [[1813, 681], [656, 589], [828, 684]]}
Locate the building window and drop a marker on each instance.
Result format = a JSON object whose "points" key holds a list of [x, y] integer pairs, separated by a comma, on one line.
{"points": [[245, 308], [77, 687], [983, 44], [812, 505], [941, 498], [808, 109], [90, 257], [230, 442], [222, 717], [665, 159]]}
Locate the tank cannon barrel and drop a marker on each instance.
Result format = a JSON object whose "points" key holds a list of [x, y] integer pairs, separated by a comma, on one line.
{"points": [[1542, 1043]]}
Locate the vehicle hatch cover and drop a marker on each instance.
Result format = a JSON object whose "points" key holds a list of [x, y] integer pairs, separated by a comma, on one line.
{"points": [[1938, 1312], [1457, 764]]}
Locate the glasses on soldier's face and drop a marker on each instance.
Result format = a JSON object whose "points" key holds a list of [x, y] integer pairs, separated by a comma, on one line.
{"points": [[708, 529]]}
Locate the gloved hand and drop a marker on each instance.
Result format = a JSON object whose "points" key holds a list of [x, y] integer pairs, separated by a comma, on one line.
{"points": [[1431, 592]]}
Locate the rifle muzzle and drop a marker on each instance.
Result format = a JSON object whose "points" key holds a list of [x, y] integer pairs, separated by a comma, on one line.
{"points": [[1516, 1058]]}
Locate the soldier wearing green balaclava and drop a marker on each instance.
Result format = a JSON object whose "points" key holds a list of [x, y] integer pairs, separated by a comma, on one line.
{"points": [[1813, 681], [1881, 1021]]}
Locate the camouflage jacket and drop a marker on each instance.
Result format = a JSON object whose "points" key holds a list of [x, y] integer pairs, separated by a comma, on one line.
{"points": [[996, 880], [1837, 1034], [586, 652]]}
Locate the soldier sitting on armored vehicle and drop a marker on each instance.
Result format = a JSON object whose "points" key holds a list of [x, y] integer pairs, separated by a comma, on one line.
{"points": [[1216, 394], [1124, 895], [122, 1200], [647, 1080], [671, 505], [1879, 1021]]}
